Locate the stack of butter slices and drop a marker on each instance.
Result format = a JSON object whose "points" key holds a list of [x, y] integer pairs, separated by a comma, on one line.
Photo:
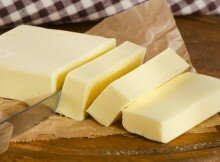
{"points": [[135, 85], [85, 83], [157, 99]]}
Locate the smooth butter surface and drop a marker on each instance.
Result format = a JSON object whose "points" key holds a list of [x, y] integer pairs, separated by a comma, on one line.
{"points": [[118, 95], [85, 83], [174, 108], [34, 61]]}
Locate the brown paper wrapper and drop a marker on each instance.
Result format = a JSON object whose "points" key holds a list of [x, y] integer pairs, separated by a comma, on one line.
{"points": [[61, 127], [151, 25]]}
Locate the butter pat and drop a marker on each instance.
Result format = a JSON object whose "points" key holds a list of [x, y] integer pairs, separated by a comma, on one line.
{"points": [[34, 61], [118, 95], [85, 83], [174, 108]]}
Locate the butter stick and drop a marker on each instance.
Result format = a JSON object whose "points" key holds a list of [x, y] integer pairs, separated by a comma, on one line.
{"points": [[35, 61], [85, 83], [107, 108], [174, 108]]}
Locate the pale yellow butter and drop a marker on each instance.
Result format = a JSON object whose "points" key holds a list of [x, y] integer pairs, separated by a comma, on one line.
{"points": [[119, 94], [34, 61], [85, 83], [174, 108]]}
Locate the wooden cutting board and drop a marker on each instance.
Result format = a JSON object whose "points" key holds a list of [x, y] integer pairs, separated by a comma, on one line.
{"points": [[202, 38]]}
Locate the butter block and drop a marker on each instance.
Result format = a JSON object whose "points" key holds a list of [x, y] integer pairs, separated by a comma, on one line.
{"points": [[107, 108], [34, 61], [174, 108], [85, 83]]}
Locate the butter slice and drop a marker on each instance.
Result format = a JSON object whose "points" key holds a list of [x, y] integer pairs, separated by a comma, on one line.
{"points": [[118, 95], [34, 61], [85, 83], [174, 108]]}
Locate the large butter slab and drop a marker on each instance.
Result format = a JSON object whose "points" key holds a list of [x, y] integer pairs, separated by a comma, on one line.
{"points": [[34, 61], [85, 83], [118, 95], [174, 108]]}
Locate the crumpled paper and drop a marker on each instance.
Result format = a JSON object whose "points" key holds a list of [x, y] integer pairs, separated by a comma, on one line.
{"points": [[61, 127], [151, 25]]}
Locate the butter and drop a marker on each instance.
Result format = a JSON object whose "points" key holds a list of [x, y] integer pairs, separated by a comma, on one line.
{"points": [[174, 108], [34, 61], [140, 82], [85, 83]]}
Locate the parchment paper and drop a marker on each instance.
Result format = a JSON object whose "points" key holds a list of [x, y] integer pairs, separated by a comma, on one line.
{"points": [[151, 25]]}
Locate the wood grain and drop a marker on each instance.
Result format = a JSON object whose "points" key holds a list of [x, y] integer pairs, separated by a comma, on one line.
{"points": [[117, 148], [202, 38]]}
